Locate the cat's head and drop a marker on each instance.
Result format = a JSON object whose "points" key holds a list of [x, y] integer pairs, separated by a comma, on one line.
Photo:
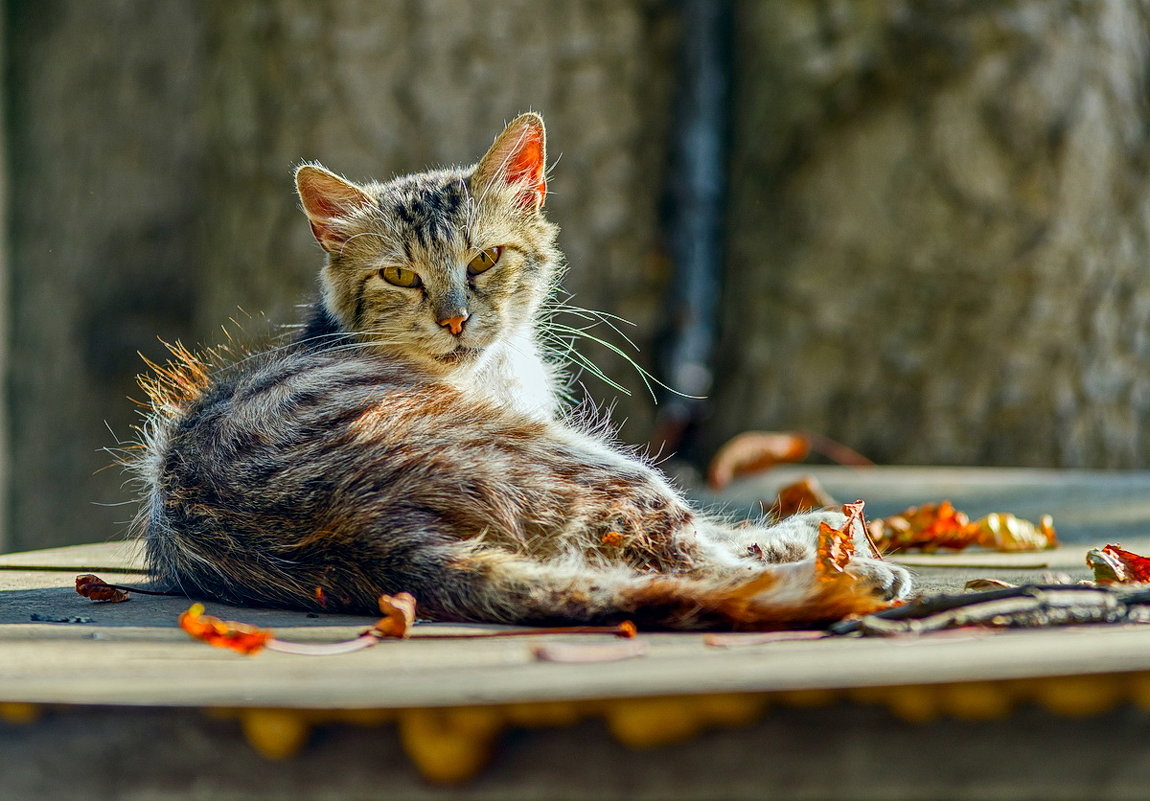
{"points": [[437, 266]]}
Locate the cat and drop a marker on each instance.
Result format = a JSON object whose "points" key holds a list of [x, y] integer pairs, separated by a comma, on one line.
{"points": [[413, 438]]}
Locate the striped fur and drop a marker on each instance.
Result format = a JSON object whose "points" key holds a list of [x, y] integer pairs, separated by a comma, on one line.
{"points": [[382, 452]]}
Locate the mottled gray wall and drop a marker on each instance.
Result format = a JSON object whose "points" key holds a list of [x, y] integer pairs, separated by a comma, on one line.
{"points": [[105, 197], [940, 230]]}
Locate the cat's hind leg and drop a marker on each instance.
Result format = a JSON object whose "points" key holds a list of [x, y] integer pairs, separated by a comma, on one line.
{"points": [[491, 585]]}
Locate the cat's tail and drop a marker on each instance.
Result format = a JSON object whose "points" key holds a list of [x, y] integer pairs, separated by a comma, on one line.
{"points": [[497, 586]]}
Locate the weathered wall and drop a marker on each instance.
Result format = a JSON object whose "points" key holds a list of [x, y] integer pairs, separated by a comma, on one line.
{"points": [[105, 144], [939, 230]]}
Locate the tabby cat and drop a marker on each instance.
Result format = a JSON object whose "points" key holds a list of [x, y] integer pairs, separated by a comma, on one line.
{"points": [[412, 439]]}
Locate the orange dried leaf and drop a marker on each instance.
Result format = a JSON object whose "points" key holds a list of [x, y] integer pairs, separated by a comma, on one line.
{"points": [[398, 615], [835, 547], [833, 550], [228, 634], [97, 589], [935, 526], [753, 451], [928, 527], [804, 495], [612, 539], [1114, 565]]}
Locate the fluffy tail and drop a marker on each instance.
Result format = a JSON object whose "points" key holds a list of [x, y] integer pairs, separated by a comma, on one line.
{"points": [[492, 586]]}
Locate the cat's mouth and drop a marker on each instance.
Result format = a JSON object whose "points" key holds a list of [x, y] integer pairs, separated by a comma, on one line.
{"points": [[460, 355]]}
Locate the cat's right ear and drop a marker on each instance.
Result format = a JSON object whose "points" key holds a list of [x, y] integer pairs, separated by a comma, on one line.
{"points": [[518, 158], [329, 201]]}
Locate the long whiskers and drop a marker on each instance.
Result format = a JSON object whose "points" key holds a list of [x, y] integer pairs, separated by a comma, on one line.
{"points": [[565, 336]]}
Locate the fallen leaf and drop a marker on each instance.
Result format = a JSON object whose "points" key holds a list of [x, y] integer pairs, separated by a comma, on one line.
{"points": [[804, 495], [835, 547], [937, 526], [581, 653], [1005, 532], [761, 638], [223, 633], [1114, 565], [977, 585], [927, 527], [97, 589], [753, 451], [398, 615]]}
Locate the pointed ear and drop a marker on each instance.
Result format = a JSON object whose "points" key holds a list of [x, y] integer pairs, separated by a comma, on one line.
{"points": [[518, 158], [328, 200]]}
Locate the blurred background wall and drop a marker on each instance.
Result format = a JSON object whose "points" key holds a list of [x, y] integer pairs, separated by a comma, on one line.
{"points": [[926, 233]]}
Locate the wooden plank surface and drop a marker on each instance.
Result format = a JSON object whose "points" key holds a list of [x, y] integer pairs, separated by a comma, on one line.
{"points": [[56, 647]]}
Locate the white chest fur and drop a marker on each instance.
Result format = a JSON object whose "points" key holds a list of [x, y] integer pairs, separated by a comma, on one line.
{"points": [[513, 373]]}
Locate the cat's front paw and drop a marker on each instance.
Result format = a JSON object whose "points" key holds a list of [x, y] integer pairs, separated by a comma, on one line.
{"points": [[885, 580]]}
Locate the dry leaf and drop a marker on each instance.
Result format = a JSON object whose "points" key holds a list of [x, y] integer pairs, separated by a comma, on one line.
{"points": [[832, 552], [223, 633], [761, 638], [581, 653], [1114, 565], [927, 527], [1005, 532], [804, 495], [935, 526], [835, 547], [753, 451], [977, 585], [398, 615], [97, 589]]}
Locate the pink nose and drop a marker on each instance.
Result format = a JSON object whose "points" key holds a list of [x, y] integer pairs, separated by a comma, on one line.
{"points": [[455, 324]]}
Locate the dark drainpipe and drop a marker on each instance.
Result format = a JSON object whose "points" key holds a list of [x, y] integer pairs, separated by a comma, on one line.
{"points": [[693, 220]]}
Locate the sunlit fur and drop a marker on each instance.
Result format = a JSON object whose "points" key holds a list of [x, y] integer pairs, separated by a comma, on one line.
{"points": [[382, 453]]}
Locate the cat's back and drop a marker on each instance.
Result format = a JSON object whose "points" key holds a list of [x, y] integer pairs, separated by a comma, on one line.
{"points": [[300, 407]]}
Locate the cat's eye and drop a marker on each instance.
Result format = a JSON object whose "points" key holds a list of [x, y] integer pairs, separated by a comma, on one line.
{"points": [[484, 261], [400, 276]]}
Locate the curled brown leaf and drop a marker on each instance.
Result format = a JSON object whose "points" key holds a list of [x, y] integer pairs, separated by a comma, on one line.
{"points": [[97, 589], [753, 451], [804, 495]]}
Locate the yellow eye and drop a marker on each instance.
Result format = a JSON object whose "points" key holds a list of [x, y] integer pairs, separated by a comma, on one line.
{"points": [[400, 276], [484, 261]]}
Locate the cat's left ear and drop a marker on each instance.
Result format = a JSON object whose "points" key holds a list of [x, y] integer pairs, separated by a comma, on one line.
{"points": [[518, 158], [329, 201]]}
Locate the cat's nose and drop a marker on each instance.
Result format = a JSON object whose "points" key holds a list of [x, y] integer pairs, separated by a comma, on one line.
{"points": [[455, 324]]}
